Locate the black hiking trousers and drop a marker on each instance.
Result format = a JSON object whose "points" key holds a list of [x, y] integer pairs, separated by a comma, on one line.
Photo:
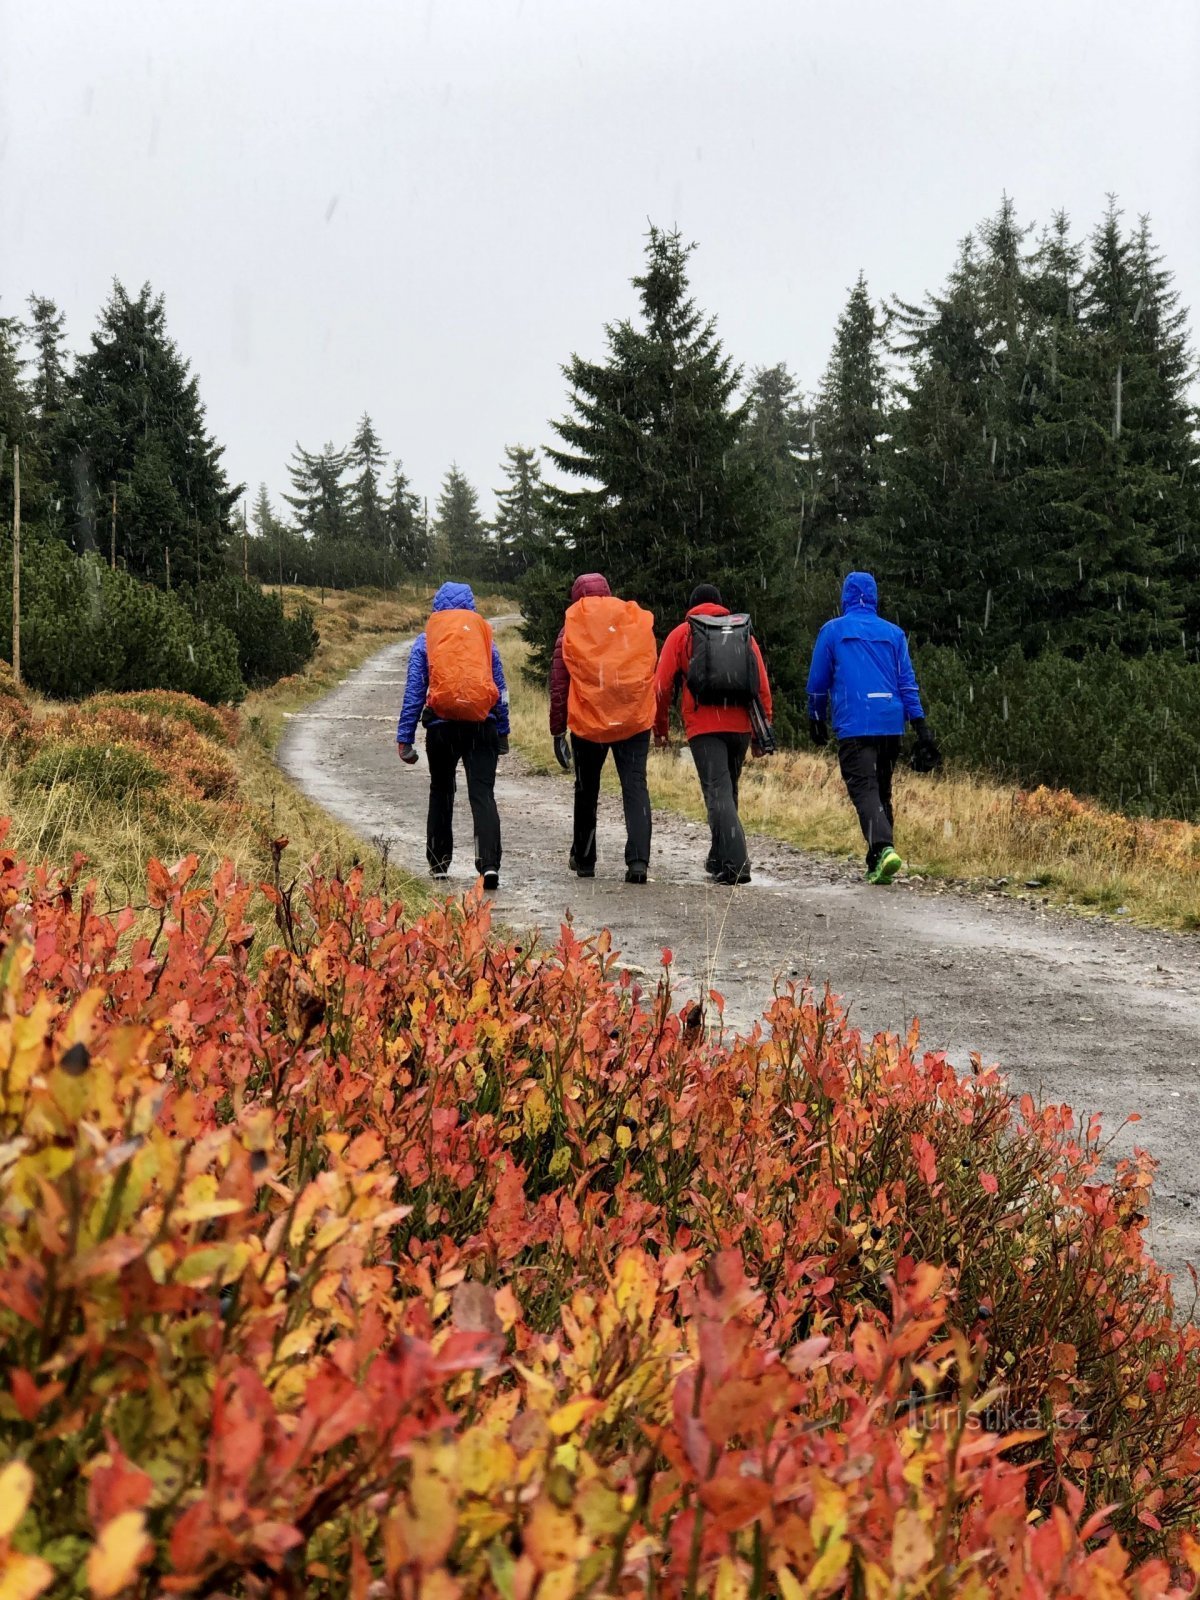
{"points": [[477, 746], [867, 766], [629, 758], [719, 759]]}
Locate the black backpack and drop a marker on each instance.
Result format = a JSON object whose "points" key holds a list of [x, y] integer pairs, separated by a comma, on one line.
{"points": [[723, 671]]}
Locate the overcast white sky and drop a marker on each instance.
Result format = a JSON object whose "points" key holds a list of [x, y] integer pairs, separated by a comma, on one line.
{"points": [[421, 207]]}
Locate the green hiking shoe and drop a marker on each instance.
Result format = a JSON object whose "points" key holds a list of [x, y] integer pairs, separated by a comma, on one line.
{"points": [[886, 868]]}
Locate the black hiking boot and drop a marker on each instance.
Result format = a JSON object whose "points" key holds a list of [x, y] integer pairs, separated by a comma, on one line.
{"points": [[731, 876], [636, 873], [579, 871], [491, 880]]}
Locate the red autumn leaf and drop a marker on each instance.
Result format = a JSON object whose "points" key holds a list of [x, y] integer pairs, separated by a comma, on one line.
{"points": [[117, 1486]]}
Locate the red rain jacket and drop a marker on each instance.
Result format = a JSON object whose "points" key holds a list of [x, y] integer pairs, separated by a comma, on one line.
{"points": [[672, 673]]}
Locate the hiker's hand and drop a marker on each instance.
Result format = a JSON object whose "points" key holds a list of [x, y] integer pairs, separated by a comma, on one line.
{"points": [[662, 741], [407, 754], [927, 757], [502, 745], [818, 731], [562, 751]]}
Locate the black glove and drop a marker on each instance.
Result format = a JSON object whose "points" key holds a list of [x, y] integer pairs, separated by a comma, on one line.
{"points": [[562, 751], [502, 745], [407, 754], [926, 757], [818, 730]]}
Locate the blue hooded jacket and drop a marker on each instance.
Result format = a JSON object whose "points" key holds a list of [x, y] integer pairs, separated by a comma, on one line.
{"points": [[450, 597], [862, 663]]}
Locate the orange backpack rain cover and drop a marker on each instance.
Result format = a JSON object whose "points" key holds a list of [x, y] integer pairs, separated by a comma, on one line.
{"points": [[610, 654], [459, 647]]}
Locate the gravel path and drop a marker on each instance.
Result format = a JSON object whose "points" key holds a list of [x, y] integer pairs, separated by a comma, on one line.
{"points": [[1103, 1016]]}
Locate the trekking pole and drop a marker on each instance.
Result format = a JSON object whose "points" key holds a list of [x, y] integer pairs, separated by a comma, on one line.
{"points": [[763, 736]]}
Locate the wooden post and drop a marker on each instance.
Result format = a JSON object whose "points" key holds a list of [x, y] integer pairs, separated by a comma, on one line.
{"points": [[279, 542], [16, 618], [112, 556], [245, 544]]}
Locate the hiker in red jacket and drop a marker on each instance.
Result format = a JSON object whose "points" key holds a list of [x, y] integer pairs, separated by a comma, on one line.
{"points": [[716, 716]]}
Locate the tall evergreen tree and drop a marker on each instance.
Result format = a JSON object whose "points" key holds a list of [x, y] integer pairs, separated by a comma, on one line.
{"points": [[1112, 434], [407, 535], [367, 511], [16, 412], [135, 420], [265, 523], [778, 442], [665, 498], [321, 498], [951, 541], [850, 428], [460, 539], [48, 389], [522, 532]]}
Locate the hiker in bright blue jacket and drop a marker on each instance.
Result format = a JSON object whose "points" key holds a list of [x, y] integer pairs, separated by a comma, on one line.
{"points": [[449, 740], [861, 663]]}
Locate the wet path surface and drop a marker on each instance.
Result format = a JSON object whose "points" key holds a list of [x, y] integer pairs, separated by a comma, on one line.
{"points": [[1103, 1017]]}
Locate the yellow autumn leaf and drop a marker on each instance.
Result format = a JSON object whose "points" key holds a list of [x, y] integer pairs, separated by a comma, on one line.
{"points": [[829, 1507], [912, 1548], [730, 1584], [624, 1140], [16, 1489], [568, 1417], [117, 1554], [878, 1584], [790, 1587], [536, 1112], [484, 1462], [830, 1565], [23, 1577]]}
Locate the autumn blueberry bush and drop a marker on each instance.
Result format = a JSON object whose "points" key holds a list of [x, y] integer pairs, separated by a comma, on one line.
{"points": [[416, 1261]]}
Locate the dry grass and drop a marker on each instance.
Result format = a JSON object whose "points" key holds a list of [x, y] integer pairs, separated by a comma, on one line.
{"points": [[74, 810], [953, 826]]}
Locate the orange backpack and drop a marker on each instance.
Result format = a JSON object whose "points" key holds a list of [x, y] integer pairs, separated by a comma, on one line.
{"points": [[459, 647], [610, 654]]}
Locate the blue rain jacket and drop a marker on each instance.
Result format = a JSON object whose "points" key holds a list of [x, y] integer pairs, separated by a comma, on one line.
{"points": [[861, 663], [450, 597]]}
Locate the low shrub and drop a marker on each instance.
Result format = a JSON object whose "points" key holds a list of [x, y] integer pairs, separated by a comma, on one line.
{"points": [[270, 643], [1122, 731], [86, 628], [419, 1262], [218, 723], [109, 773]]}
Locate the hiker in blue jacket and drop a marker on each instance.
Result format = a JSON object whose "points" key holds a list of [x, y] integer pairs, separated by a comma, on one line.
{"points": [[477, 744], [862, 663]]}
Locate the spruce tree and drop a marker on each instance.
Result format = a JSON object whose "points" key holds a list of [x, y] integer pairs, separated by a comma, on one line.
{"points": [[135, 420], [366, 511], [16, 414], [406, 532], [1112, 437], [48, 388], [665, 498], [523, 534], [951, 541], [849, 430], [777, 441], [321, 498], [264, 522], [461, 545]]}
